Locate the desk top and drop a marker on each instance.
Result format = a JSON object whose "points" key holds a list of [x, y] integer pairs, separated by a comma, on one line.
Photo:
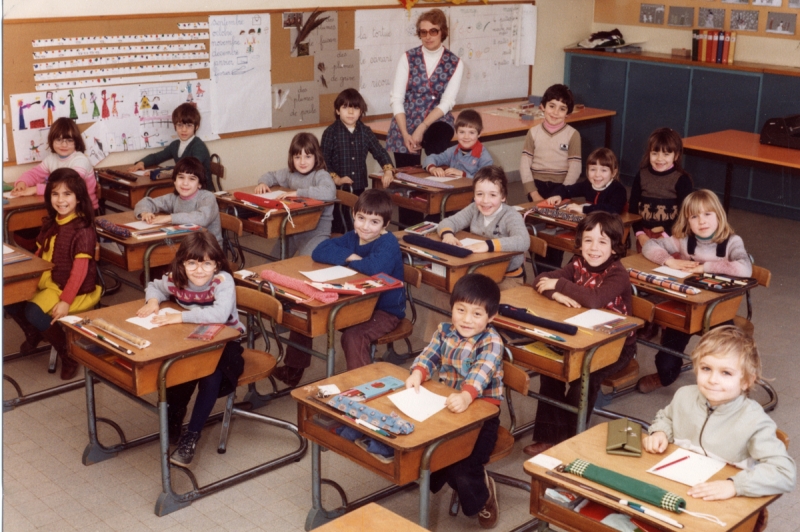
{"points": [[591, 446], [497, 122], [460, 184], [229, 198], [743, 145], [131, 180], [23, 202], [438, 426], [26, 268], [449, 260], [370, 518], [126, 217]]}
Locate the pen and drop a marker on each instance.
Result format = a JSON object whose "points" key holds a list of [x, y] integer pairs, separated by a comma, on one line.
{"points": [[287, 294], [721, 278], [104, 339], [425, 253], [671, 463], [651, 513], [253, 205], [373, 428], [537, 332], [668, 291], [548, 335]]}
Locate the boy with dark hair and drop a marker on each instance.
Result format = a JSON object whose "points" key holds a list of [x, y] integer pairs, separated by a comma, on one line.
{"points": [[345, 146], [468, 354], [465, 158], [186, 119], [370, 250]]}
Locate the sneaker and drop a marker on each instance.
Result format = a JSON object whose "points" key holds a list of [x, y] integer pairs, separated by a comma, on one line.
{"points": [[288, 375], [183, 455], [488, 516], [649, 383]]}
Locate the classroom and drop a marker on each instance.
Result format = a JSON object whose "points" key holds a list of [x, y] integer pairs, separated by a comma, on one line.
{"points": [[45, 481]]}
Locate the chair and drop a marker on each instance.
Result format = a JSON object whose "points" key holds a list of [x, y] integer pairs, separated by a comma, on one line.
{"points": [[232, 229], [783, 437], [346, 199], [537, 247], [763, 276], [413, 277], [217, 171]]}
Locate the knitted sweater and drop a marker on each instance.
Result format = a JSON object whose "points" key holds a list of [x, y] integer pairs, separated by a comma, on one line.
{"points": [[507, 233], [214, 302], [735, 262], [454, 157], [611, 199], [738, 432], [382, 255], [554, 157], [37, 176], [75, 238], [201, 209], [317, 184], [196, 148], [657, 197]]}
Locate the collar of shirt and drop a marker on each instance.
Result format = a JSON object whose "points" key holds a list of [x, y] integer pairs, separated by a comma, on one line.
{"points": [[475, 151], [182, 146]]}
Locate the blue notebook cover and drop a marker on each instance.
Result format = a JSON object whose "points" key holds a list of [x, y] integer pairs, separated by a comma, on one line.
{"points": [[376, 388]]}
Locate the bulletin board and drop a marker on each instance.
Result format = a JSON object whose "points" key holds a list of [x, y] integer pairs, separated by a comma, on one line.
{"points": [[286, 69], [769, 13]]}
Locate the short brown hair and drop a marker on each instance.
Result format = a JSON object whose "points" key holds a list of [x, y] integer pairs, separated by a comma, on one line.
{"points": [[197, 246], [562, 94], [186, 113], [610, 225], [702, 200], [375, 202], [666, 140], [469, 118], [190, 165], [65, 128], [604, 157], [306, 142], [493, 174], [435, 17], [350, 98], [729, 339]]}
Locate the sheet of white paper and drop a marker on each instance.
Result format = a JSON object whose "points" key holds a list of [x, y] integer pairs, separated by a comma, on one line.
{"points": [[329, 390], [140, 173], [691, 471], [7, 195], [592, 317], [329, 274], [469, 241], [672, 272], [418, 406], [145, 322], [271, 195], [71, 319], [7, 250], [444, 179], [545, 461], [140, 226]]}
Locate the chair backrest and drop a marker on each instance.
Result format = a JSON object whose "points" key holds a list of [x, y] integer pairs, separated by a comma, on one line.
{"points": [[515, 378], [538, 246], [231, 223], [643, 309], [217, 170], [254, 302], [412, 275], [762, 275], [348, 199], [783, 437]]}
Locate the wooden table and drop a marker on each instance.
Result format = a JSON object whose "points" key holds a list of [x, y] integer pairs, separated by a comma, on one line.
{"points": [[321, 318], [439, 441], [171, 359], [427, 199], [733, 146], [740, 513], [24, 212], [137, 254], [370, 518], [129, 190], [499, 124], [21, 279], [586, 351], [277, 225]]}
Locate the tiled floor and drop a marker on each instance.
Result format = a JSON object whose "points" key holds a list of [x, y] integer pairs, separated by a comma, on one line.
{"points": [[45, 485]]}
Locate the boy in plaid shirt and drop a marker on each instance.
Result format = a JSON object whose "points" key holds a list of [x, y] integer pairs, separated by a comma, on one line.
{"points": [[468, 354]]}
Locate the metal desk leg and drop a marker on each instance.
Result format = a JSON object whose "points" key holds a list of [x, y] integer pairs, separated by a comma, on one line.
{"points": [[282, 236], [583, 405], [425, 484], [316, 515], [94, 452]]}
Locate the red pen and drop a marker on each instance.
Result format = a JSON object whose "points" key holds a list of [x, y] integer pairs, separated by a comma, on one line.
{"points": [[671, 463]]}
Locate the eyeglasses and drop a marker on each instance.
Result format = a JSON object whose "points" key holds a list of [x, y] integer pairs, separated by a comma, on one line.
{"points": [[67, 141], [207, 265], [424, 33], [184, 125]]}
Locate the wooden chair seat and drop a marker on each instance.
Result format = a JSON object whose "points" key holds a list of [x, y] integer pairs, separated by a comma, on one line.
{"points": [[504, 445], [403, 330], [744, 324], [258, 365], [627, 376]]}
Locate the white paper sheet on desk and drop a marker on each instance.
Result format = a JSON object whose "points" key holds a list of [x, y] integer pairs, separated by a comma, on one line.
{"points": [[146, 323], [591, 318], [329, 274], [141, 173], [672, 272], [141, 226], [271, 195], [443, 179], [8, 195], [418, 406], [7, 250], [469, 241], [692, 471]]}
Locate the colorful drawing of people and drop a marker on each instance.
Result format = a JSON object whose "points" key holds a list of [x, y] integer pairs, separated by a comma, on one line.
{"points": [[136, 108], [49, 105], [73, 114], [106, 113], [147, 138], [35, 155], [145, 104], [84, 110], [22, 106], [189, 97], [114, 104], [200, 91], [156, 99], [93, 101], [124, 142]]}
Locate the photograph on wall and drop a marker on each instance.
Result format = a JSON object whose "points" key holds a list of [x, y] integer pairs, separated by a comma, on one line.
{"points": [[745, 2], [794, 3], [783, 23], [710, 18], [680, 16], [744, 20], [771, 3], [651, 14]]}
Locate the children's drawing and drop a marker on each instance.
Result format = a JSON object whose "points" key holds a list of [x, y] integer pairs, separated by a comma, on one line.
{"points": [[136, 108], [200, 91], [93, 101], [145, 104], [105, 113], [156, 99], [124, 142], [114, 111], [84, 110], [49, 105], [279, 97], [35, 155], [189, 97], [22, 106], [73, 114]]}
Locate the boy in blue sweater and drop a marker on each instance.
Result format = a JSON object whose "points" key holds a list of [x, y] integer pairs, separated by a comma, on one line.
{"points": [[466, 157], [368, 249]]}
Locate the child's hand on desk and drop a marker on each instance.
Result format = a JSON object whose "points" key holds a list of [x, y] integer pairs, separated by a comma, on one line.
{"points": [[59, 311], [290, 194], [655, 443], [136, 167], [451, 239], [479, 247], [453, 172], [718, 490], [388, 177], [28, 191], [353, 257], [578, 209], [149, 308], [414, 380], [156, 219], [436, 171], [554, 200], [536, 197], [565, 300], [458, 402], [546, 284], [167, 319], [261, 188], [684, 265]]}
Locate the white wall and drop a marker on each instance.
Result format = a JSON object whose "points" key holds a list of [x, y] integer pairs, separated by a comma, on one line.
{"points": [[561, 23]]}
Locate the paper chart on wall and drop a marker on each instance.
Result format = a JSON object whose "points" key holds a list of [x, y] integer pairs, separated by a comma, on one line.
{"points": [[240, 70], [114, 50], [325, 38], [295, 104], [528, 20], [336, 70], [383, 36], [94, 140], [85, 62]]}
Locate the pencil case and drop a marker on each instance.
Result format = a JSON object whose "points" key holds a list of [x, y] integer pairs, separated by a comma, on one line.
{"points": [[720, 283], [112, 228], [358, 410], [624, 438], [434, 245], [521, 314], [664, 282], [161, 173]]}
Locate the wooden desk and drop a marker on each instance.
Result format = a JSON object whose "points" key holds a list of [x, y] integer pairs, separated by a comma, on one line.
{"points": [[21, 279], [733, 146], [137, 254], [322, 318], [128, 191], [499, 124], [430, 200], [370, 518], [740, 513], [25, 212], [586, 351], [278, 224], [439, 441]]}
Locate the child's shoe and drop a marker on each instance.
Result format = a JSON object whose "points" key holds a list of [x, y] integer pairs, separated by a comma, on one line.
{"points": [[649, 383], [487, 517], [183, 455], [536, 448], [288, 375], [175, 424]]}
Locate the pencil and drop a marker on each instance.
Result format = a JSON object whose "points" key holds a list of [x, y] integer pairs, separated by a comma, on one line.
{"points": [[671, 463]]}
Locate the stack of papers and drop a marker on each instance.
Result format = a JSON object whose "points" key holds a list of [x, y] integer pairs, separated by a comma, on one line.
{"points": [[592, 318], [329, 274], [418, 406], [687, 467], [146, 321]]}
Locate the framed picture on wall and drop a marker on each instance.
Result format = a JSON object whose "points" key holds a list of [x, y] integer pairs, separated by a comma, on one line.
{"points": [[744, 20]]}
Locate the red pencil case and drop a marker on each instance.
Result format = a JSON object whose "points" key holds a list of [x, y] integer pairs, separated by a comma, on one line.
{"points": [[294, 202]]}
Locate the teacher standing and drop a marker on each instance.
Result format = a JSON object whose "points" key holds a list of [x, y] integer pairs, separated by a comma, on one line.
{"points": [[424, 91]]}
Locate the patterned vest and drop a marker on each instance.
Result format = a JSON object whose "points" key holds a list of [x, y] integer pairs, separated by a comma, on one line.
{"points": [[72, 239], [422, 94]]}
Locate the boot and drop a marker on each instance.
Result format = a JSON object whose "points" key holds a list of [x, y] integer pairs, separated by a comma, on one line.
{"points": [[33, 336], [55, 335]]}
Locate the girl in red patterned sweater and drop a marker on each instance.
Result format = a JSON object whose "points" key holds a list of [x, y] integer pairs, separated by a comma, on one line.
{"points": [[595, 278], [67, 239]]}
